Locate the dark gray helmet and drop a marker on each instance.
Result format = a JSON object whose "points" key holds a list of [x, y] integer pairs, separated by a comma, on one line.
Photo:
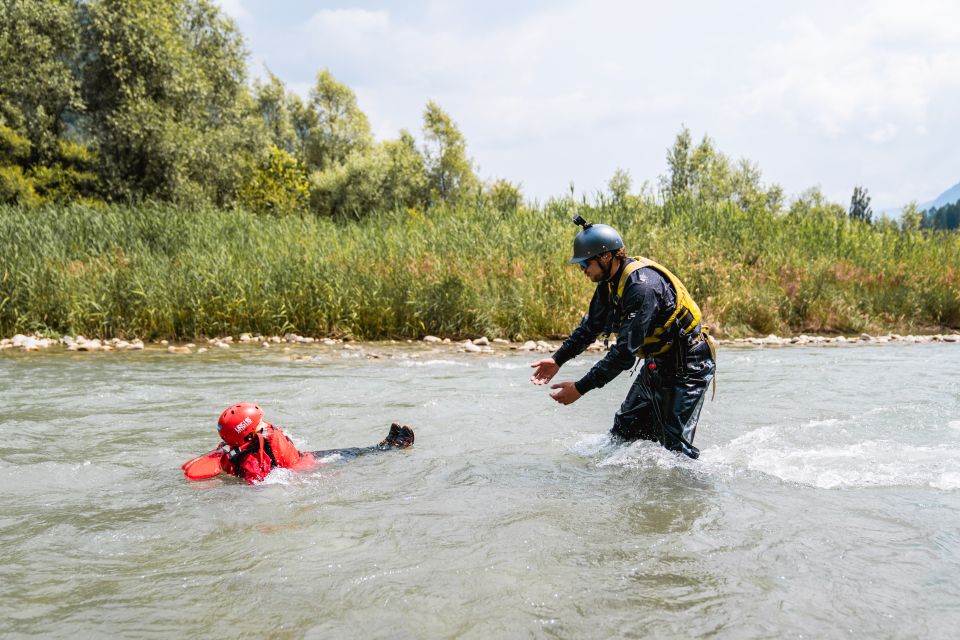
{"points": [[593, 240]]}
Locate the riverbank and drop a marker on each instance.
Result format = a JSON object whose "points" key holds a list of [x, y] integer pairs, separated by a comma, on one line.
{"points": [[479, 346]]}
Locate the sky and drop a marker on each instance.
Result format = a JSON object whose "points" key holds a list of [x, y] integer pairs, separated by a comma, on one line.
{"points": [[821, 94]]}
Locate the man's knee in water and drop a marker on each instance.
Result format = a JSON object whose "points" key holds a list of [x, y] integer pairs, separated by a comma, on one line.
{"points": [[624, 431], [630, 430]]}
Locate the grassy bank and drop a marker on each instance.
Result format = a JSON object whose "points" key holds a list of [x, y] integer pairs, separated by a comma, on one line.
{"points": [[159, 271]]}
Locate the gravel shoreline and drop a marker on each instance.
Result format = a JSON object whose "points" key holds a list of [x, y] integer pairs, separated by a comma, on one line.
{"points": [[482, 345]]}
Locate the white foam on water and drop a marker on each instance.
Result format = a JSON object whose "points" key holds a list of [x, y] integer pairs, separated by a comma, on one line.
{"points": [[947, 481], [590, 444], [822, 423], [644, 453], [636, 454], [506, 365], [870, 463], [279, 475], [954, 424], [432, 363]]}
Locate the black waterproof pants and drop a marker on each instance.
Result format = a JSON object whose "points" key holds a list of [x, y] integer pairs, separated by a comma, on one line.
{"points": [[664, 402]]}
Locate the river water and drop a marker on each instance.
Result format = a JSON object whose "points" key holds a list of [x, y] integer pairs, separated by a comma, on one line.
{"points": [[825, 504]]}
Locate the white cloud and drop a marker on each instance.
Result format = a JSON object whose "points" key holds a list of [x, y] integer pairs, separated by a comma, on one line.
{"points": [[842, 76], [825, 93], [348, 22], [884, 133]]}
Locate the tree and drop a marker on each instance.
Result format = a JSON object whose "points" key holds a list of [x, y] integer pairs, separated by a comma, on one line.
{"points": [[276, 107], [710, 173], [946, 217], [860, 205], [39, 84], [388, 176], [335, 128], [619, 186], [811, 203], [405, 184], [165, 85], [449, 171], [678, 161], [912, 218], [709, 176], [504, 196]]}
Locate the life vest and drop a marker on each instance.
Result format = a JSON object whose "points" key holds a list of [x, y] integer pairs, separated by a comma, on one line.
{"points": [[275, 449], [686, 315], [284, 453]]}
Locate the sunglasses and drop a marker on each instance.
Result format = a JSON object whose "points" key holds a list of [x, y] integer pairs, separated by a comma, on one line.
{"points": [[584, 263]]}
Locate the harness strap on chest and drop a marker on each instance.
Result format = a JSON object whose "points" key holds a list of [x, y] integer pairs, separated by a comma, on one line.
{"points": [[259, 446], [686, 315]]}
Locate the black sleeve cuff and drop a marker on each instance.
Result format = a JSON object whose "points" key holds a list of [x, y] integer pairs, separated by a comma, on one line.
{"points": [[584, 385]]}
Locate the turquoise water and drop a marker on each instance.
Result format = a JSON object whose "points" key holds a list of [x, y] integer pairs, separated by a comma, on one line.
{"points": [[826, 502]]}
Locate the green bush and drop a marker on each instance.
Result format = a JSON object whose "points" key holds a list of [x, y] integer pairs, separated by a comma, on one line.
{"points": [[278, 185], [14, 148], [17, 188]]}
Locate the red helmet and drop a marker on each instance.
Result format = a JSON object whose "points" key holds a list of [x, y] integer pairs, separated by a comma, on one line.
{"points": [[238, 422]]}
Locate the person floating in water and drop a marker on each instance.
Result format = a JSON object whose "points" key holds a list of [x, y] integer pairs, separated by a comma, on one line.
{"points": [[656, 319], [251, 447]]}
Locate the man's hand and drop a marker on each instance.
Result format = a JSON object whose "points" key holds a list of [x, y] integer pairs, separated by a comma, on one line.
{"points": [[567, 393], [545, 370]]}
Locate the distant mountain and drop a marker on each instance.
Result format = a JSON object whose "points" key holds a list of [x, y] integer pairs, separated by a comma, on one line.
{"points": [[949, 196]]}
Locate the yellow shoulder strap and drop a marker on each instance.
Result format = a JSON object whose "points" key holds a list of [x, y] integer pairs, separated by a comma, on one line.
{"points": [[627, 270]]}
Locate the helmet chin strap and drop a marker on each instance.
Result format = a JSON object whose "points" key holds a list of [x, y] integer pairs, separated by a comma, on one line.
{"points": [[606, 268]]}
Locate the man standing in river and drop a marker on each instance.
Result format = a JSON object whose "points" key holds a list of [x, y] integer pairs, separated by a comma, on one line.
{"points": [[656, 319]]}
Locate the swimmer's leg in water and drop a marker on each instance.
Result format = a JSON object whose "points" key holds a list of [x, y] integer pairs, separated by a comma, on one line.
{"points": [[400, 437]]}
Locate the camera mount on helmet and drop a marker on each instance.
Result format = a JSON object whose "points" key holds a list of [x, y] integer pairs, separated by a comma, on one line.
{"points": [[593, 240]]}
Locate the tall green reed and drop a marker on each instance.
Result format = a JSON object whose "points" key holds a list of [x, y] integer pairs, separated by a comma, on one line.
{"points": [[159, 271]]}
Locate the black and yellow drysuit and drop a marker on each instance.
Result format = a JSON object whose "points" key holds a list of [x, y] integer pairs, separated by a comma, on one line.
{"points": [[654, 318]]}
